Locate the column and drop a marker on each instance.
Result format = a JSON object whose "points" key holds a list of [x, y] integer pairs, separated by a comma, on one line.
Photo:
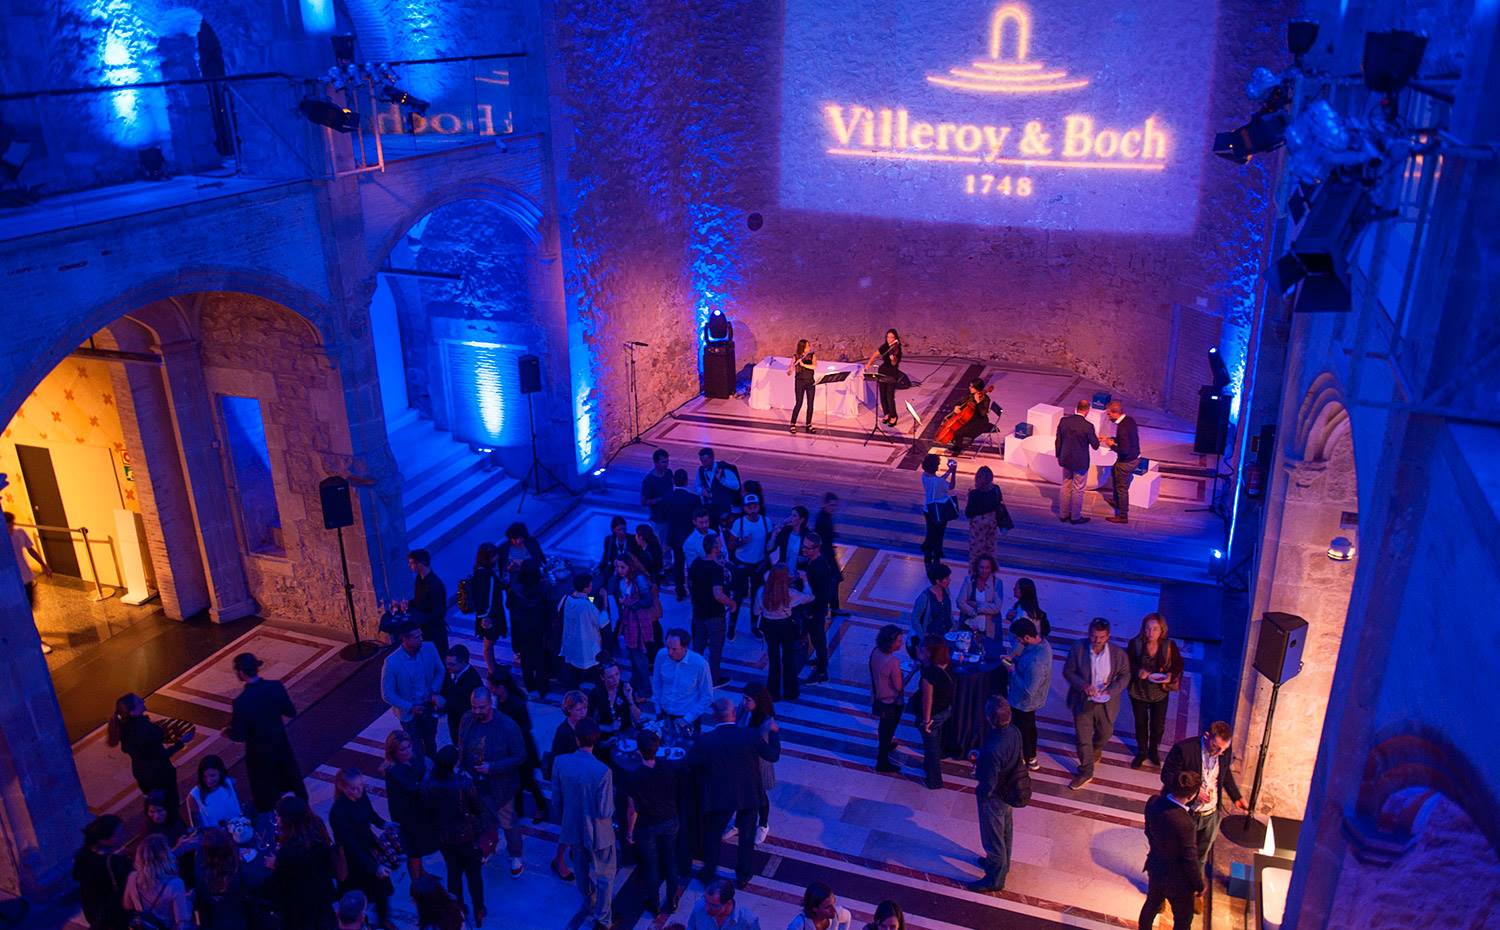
{"points": [[208, 492]]}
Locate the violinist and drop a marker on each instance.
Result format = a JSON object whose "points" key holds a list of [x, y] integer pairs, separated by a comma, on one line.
{"points": [[968, 419], [889, 372], [803, 369]]}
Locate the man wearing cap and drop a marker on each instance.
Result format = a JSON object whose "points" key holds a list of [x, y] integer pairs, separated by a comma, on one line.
{"points": [[750, 548], [257, 719], [411, 682]]}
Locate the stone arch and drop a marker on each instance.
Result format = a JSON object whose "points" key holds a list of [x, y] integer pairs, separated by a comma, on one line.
{"points": [[526, 213], [1406, 766]]}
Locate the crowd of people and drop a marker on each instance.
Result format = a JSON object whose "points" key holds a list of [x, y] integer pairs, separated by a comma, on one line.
{"points": [[628, 687]]}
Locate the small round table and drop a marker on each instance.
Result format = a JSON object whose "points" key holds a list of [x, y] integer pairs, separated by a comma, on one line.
{"points": [[974, 683]]}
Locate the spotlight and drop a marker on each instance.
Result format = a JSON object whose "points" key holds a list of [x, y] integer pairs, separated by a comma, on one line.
{"points": [[1391, 59], [1300, 36], [327, 113], [1220, 370], [393, 94], [1216, 562], [1286, 274], [755, 221], [153, 163], [1341, 549], [717, 328], [1264, 133]]}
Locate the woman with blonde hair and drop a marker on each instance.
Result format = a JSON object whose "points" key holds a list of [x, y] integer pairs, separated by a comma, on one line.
{"points": [[154, 888], [1155, 672], [405, 769], [775, 619]]}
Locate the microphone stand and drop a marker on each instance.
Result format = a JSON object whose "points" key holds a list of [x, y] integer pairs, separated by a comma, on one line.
{"points": [[635, 400]]}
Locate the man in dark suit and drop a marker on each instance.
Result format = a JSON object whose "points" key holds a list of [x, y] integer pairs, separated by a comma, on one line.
{"points": [[1127, 445], [1172, 871], [1075, 437], [994, 765], [823, 526], [679, 508], [429, 601], [1097, 672], [726, 762], [1209, 756], [257, 719], [459, 681]]}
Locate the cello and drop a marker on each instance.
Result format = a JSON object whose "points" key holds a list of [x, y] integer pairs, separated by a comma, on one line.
{"points": [[961, 417]]}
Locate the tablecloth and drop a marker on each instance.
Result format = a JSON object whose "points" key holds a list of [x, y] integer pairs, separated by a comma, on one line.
{"points": [[772, 388]]}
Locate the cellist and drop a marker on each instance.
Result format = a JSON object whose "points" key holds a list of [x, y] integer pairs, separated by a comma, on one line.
{"points": [[968, 419]]}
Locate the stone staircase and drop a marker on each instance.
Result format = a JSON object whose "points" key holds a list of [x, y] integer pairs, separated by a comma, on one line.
{"points": [[447, 486]]}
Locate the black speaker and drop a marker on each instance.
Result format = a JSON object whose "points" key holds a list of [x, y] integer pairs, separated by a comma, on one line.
{"points": [[1213, 421], [338, 509], [1278, 650], [531, 374], [718, 369]]}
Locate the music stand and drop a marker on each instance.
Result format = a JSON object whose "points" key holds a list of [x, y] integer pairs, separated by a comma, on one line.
{"points": [[833, 377], [874, 427], [916, 420]]}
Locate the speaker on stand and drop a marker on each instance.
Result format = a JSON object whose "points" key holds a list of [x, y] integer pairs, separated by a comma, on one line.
{"points": [[1209, 437], [1278, 658], [338, 512], [531, 384]]}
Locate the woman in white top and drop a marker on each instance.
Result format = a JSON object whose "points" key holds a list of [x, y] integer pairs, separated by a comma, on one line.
{"points": [[154, 888], [821, 911], [982, 598], [213, 802], [935, 492]]}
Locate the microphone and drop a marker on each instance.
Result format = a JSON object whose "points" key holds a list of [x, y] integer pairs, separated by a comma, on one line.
{"points": [[633, 343]]}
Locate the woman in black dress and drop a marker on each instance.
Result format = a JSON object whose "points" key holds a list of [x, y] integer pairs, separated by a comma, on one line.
{"points": [[889, 353], [404, 768], [145, 743], [354, 824], [302, 883], [804, 371], [529, 620], [451, 805], [486, 600]]}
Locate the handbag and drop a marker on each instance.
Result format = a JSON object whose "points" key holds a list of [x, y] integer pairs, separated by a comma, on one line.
{"points": [[1016, 789], [465, 601], [944, 511]]}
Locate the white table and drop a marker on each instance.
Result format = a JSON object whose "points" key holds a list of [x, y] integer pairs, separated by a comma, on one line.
{"points": [[772, 388]]}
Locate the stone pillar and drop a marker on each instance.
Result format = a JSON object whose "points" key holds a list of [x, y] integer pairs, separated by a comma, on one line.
{"points": [[151, 440], [208, 492], [41, 800]]}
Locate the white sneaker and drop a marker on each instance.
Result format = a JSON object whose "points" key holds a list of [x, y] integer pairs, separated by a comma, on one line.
{"points": [[761, 833], [516, 867], [731, 833]]}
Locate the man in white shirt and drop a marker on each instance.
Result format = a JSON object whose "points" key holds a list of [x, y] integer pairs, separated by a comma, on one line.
{"points": [[692, 547], [1097, 672], [750, 544], [20, 541], [680, 680], [1209, 756]]}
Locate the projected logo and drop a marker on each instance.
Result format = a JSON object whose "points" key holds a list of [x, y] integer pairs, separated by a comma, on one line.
{"points": [[1069, 114], [1016, 75]]}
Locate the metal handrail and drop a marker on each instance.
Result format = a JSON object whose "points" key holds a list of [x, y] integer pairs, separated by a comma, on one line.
{"points": [[111, 88], [84, 532]]}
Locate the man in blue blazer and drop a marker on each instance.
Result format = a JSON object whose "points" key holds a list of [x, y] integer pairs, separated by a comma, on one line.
{"points": [[1075, 437], [1097, 672], [1127, 445]]}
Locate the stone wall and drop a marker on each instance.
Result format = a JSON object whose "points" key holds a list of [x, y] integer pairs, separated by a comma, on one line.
{"points": [[669, 123]]}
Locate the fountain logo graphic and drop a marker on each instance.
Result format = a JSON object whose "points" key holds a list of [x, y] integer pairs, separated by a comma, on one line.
{"points": [[1014, 75]]}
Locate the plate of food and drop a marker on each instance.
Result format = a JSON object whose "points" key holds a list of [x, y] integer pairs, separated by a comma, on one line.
{"points": [[674, 753], [1159, 677], [625, 745]]}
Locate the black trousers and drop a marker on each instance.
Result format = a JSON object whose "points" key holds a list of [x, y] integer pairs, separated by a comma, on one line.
{"points": [[1150, 724], [815, 625], [531, 649], [679, 568], [932, 542], [887, 718], [748, 580], [714, 825], [781, 656], [1120, 474], [1025, 721], [463, 863], [808, 390], [1181, 899]]}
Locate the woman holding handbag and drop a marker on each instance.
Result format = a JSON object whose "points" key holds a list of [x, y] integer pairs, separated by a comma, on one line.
{"points": [[458, 820], [634, 608], [1155, 672], [938, 506], [356, 826]]}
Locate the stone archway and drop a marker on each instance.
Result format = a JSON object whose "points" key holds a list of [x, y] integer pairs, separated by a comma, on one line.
{"points": [[1422, 821], [1314, 498]]}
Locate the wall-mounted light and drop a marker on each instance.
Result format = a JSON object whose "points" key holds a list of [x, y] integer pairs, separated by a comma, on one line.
{"points": [[1341, 549]]}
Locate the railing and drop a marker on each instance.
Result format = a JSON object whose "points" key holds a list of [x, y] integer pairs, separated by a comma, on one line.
{"points": [[203, 136], [88, 549]]}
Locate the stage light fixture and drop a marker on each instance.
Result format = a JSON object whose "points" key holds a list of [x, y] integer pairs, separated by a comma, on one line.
{"points": [[1264, 133], [717, 328], [1391, 59], [1301, 34], [1217, 366], [393, 94], [1323, 293], [1341, 549], [329, 114], [153, 163], [1286, 274]]}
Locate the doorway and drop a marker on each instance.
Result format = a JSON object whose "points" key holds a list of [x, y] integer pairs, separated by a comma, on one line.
{"points": [[47, 510]]}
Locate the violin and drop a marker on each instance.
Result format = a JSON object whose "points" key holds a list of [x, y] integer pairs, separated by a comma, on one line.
{"points": [[959, 418]]}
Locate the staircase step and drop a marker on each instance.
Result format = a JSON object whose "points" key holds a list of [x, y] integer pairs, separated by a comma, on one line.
{"points": [[449, 526], [457, 497], [417, 495]]}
